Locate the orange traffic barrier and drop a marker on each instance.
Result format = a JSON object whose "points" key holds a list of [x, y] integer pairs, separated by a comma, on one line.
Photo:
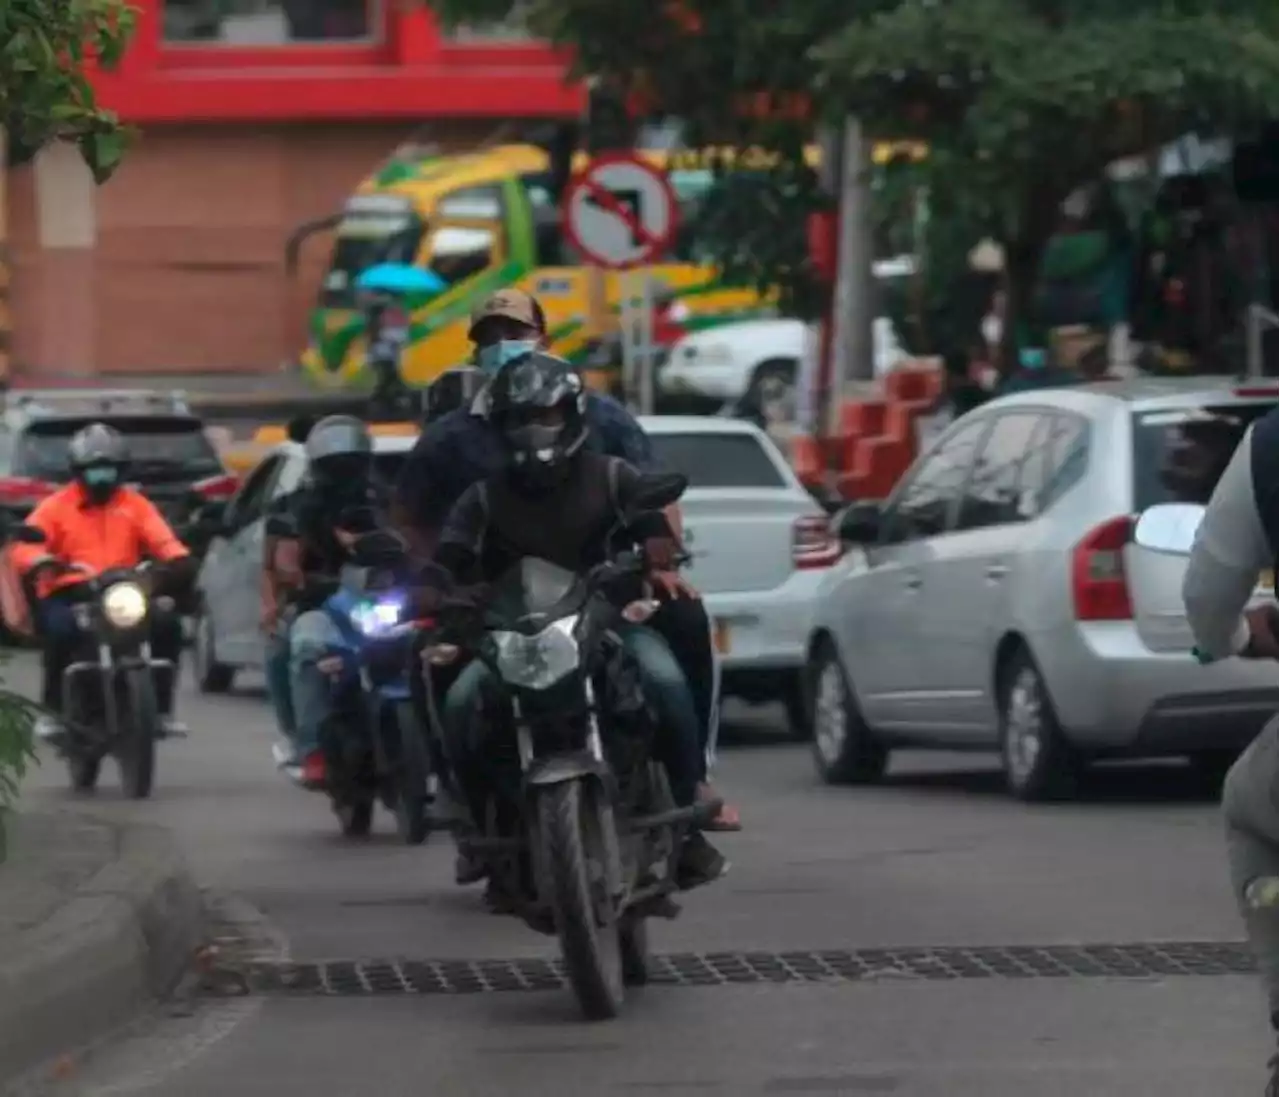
{"points": [[807, 459]]}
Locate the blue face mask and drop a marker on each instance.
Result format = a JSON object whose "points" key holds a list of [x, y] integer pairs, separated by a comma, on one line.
{"points": [[492, 358], [101, 476]]}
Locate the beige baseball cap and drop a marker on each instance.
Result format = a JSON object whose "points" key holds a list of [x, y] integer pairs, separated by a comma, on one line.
{"points": [[513, 304]]}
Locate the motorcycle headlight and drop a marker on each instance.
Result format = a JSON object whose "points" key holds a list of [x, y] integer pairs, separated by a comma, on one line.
{"points": [[375, 617], [124, 605], [537, 662]]}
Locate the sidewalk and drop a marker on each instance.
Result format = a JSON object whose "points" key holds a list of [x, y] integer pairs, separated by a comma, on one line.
{"points": [[96, 918]]}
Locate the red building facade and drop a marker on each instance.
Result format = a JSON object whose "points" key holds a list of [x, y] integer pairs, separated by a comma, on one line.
{"points": [[256, 116]]}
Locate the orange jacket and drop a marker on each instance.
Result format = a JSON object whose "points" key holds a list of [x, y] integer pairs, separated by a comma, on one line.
{"points": [[118, 535]]}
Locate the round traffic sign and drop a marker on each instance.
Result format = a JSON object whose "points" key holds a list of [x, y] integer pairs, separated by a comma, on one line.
{"points": [[620, 212]]}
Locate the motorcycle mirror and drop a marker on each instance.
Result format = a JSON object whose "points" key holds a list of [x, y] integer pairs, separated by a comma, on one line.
{"points": [[1169, 528], [28, 535], [658, 489]]}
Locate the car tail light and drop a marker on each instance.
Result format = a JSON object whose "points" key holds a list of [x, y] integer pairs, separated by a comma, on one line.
{"points": [[813, 545], [217, 487], [1098, 584], [23, 491], [1256, 390]]}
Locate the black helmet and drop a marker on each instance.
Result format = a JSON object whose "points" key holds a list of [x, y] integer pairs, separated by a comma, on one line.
{"points": [[97, 455], [452, 390], [340, 453], [539, 404]]}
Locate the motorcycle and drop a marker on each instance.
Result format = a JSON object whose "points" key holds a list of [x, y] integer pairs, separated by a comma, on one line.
{"points": [[375, 747], [110, 698], [580, 831]]}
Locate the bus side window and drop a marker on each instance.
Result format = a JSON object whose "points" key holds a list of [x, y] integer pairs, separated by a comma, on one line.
{"points": [[549, 244]]}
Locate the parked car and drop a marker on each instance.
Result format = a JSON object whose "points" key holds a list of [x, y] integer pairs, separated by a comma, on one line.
{"points": [[995, 601], [226, 634], [170, 457], [760, 547]]}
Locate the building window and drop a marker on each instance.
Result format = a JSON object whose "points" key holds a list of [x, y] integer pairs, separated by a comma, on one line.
{"points": [[268, 22], [514, 28]]}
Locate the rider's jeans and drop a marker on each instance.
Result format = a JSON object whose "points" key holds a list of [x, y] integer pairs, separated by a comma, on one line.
{"points": [[1249, 807], [679, 738], [279, 685], [313, 637]]}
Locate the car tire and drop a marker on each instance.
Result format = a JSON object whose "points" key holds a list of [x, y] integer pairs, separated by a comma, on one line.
{"points": [[799, 714], [1039, 764], [211, 676], [845, 750]]}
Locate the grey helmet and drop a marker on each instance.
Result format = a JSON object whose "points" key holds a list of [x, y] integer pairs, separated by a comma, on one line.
{"points": [[340, 452], [97, 444]]}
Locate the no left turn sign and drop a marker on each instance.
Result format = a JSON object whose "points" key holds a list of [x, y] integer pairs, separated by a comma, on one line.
{"points": [[620, 212]]}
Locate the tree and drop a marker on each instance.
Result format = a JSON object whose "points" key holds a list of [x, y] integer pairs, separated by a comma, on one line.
{"points": [[45, 94], [1025, 101], [735, 76]]}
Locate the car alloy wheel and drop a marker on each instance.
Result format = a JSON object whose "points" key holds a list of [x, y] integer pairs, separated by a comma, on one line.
{"points": [[1024, 726], [845, 750], [1039, 763], [830, 717]]}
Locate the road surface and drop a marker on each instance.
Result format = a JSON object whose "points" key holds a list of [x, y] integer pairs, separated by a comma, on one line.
{"points": [[774, 985]]}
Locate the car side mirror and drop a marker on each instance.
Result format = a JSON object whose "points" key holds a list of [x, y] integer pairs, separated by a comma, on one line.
{"points": [[859, 523], [1169, 528]]}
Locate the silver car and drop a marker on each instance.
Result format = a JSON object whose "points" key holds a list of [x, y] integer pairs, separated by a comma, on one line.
{"points": [[227, 635], [995, 600]]}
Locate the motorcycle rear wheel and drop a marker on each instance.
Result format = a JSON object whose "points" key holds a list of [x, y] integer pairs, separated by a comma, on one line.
{"points": [[568, 825], [355, 817], [139, 726], [84, 770]]}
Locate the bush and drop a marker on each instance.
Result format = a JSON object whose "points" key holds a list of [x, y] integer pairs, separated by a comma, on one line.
{"points": [[17, 751]]}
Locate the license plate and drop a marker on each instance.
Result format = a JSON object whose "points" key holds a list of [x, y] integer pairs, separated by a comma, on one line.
{"points": [[1267, 580], [722, 637]]}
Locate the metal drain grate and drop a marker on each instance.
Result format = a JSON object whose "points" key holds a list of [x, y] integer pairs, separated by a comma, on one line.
{"points": [[380, 977]]}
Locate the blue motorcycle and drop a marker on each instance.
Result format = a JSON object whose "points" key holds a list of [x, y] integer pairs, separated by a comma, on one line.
{"points": [[375, 747]]}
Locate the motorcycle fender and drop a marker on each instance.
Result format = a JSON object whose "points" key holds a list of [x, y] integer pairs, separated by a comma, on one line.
{"points": [[560, 768]]}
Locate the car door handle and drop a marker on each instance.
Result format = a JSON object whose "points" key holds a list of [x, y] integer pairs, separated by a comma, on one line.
{"points": [[996, 572], [913, 582]]}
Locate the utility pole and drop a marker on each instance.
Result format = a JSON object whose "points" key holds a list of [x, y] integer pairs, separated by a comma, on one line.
{"points": [[851, 343]]}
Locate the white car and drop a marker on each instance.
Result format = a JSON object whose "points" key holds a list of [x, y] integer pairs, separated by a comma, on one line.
{"points": [[226, 634], [755, 360], [760, 547]]}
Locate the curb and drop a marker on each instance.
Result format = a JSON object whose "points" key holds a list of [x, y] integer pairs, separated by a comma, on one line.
{"points": [[121, 941]]}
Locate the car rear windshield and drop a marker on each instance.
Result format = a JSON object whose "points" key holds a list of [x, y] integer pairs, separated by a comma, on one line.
{"points": [[160, 448], [717, 460], [1154, 432]]}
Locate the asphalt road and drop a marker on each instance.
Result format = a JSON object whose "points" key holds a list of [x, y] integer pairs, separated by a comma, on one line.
{"points": [[937, 857]]}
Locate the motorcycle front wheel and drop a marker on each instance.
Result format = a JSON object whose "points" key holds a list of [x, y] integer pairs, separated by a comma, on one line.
{"points": [[574, 860], [413, 772], [138, 724]]}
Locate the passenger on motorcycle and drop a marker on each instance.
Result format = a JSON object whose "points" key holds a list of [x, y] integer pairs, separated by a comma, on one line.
{"points": [[92, 525], [337, 501], [558, 501], [461, 448]]}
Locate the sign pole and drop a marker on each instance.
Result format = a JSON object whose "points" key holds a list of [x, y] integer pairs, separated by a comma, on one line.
{"points": [[648, 353]]}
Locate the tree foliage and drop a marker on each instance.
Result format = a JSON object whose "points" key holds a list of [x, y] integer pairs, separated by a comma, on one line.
{"points": [[1022, 102], [45, 93]]}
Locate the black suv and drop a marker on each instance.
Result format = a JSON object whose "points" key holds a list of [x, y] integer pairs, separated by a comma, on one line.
{"points": [[170, 458]]}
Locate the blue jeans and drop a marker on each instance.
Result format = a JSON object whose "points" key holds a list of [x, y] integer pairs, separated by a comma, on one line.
{"points": [[678, 737], [312, 638], [279, 686]]}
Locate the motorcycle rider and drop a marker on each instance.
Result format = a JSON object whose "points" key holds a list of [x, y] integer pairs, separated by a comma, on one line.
{"points": [[98, 523], [1235, 542], [557, 501], [461, 447], [338, 501]]}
